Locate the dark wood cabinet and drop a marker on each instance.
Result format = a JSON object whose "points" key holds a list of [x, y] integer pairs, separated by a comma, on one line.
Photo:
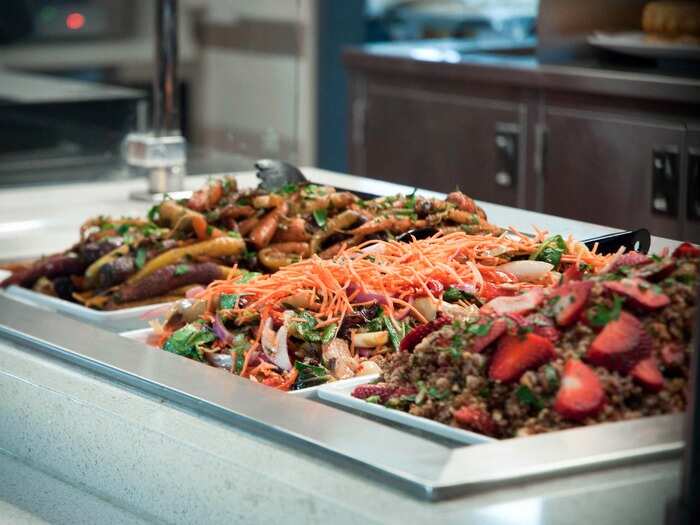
{"points": [[611, 170], [617, 148], [691, 183], [444, 141]]}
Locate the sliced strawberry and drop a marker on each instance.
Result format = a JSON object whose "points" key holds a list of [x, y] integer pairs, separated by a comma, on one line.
{"points": [[518, 353], [639, 292], [580, 395], [518, 304], [497, 329], [672, 355], [475, 418], [620, 345], [631, 259], [572, 273], [657, 271], [542, 325], [568, 301], [415, 336], [686, 251], [647, 373]]}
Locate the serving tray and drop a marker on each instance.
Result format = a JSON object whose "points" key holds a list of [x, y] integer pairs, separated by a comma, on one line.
{"points": [[340, 393], [420, 466], [144, 334], [112, 320]]}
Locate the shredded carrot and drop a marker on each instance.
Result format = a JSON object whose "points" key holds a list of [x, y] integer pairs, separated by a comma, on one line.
{"points": [[391, 273]]}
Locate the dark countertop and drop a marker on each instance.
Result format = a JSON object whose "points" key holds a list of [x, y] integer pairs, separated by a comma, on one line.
{"points": [[517, 65]]}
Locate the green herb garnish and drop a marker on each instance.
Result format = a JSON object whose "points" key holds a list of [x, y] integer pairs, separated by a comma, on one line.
{"points": [[181, 269], [550, 251], [186, 340], [480, 329], [310, 375], [601, 315], [153, 212], [140, 258], [438, 394], [228, 301], [528, 397], [452, 295], [394, 334], [320, 216]]}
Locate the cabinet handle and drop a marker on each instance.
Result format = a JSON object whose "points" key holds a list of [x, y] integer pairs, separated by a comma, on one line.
{"points": [[665, 181], [507, 154], [540, 150], [693, 211]]}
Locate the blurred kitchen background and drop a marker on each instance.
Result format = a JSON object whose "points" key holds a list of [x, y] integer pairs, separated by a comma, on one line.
{"points": [[505, 99], [259, 78]]}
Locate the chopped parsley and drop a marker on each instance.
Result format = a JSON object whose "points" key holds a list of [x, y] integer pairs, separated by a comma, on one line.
{"points": [[528, 397], [601, 315], [480, 329]]}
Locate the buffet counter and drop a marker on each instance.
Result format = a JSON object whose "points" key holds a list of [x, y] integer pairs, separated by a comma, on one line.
{"points": [[77, 447]]}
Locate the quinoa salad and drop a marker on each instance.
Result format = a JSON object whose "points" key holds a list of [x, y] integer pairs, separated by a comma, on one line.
{"points": [[598, 347]]}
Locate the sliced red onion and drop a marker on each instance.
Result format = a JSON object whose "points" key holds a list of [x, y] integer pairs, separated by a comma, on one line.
{"points": [[274, 345], [221, 331], [365, 297]]}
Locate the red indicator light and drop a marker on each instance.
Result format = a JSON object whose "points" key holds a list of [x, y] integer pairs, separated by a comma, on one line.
{"points": [[75, 21]]}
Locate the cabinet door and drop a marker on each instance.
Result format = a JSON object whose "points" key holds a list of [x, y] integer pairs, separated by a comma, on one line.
{"points": [[607, 170], [691, 169], [443, 142]]}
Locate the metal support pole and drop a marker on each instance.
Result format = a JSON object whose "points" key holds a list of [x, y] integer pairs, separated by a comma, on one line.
{"points": [[160, 155], [166, 119]]}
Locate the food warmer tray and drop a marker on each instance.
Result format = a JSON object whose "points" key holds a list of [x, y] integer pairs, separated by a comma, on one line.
{"points": [[413, 463]]}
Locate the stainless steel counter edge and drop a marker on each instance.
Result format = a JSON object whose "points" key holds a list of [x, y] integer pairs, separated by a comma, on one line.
{"points": [[411, 463]]}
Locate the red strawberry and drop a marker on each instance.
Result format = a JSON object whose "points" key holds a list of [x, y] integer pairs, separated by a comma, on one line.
{"points": [[572, 273], [474, 418], [647, 373], [518, 304], [516, 354], [580, 395], [542, 325], [415, 336], [568, 301], [435, 287], [620, 345], [631, 259], [672, 355], [657, 271], [686, 250], [384, 391], [497, 329], [639, 292]]}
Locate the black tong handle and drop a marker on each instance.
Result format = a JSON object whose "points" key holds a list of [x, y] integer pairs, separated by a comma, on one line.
{"points": [[634, 240]]}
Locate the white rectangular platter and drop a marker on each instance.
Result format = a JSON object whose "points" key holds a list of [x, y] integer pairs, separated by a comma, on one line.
{"points": [[340, 393], [112, 320]]}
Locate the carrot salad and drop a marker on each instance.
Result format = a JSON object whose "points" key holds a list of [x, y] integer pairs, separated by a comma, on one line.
{"points": [[319, 320]]}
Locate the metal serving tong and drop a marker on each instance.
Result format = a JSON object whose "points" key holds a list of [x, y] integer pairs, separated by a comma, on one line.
{"points": [[633, 240]]}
